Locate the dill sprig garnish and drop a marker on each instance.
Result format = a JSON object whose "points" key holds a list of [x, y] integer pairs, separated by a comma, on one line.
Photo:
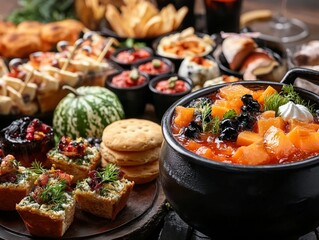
{"points": [[209, 123], [274, 101], [37, 167], [287, 93], [110, 173], [215, 125], [54, 193], [230, 114], [205, 111]]}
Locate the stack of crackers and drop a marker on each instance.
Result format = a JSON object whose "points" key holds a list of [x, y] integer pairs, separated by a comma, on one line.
{"points": [[134, 145]]}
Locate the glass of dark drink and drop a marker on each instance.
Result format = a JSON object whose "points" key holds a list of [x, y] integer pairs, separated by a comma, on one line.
{"points": [[189, 20], [222, 15]]}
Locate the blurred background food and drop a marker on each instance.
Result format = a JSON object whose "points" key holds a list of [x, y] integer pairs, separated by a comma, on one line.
{"points": [[42, 11]]}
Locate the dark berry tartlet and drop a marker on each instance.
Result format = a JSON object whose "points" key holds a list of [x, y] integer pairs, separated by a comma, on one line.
{"points": [[28, 139]]}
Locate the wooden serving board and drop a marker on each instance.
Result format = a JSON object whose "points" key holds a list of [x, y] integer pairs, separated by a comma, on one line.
{"points": [[144, 211]]}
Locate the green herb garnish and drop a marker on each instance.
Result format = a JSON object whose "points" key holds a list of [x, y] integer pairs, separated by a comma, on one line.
{"points": [[156, 63], [274, 101], [206, 111], [110, 173], [172, 82], [209, 123], [215, 125], [287, 93], [37, 167], [42, 11], [130, 43], [230, 114], [54, 194], [134, 74]]}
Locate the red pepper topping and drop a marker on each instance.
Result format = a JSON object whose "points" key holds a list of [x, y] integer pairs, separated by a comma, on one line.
{"points": [[73, 148]]}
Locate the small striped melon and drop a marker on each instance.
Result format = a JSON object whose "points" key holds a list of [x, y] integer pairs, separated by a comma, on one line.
{"points": [[86, 112]]}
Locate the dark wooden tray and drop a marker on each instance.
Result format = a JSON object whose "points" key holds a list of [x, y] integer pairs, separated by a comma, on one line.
{"points": [[143, 212]]}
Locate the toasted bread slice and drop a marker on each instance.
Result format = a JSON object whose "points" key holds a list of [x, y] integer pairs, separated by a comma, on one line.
{"points": [[79, 171], [43, 222], [105, 206], [12, 193], [15, 182]]}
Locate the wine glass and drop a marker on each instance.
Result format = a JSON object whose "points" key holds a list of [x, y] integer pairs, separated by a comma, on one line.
{"points": [[281, 28]]}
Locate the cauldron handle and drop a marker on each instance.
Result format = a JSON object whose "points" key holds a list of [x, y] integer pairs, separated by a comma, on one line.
{"points": [[305, 73]]}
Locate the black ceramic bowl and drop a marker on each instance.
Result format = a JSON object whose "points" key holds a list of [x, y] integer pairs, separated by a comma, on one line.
{"points": [[229, 201], [162, 101], [133, 98], [177, 60], [170, 65], [126, 65]]}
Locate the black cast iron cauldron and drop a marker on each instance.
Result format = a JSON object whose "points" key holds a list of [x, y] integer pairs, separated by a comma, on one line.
{"points": [[229, 201]]}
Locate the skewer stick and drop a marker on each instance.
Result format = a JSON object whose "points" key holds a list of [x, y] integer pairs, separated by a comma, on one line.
{"points": [[76, 46], [27, 80], [105, 49]]}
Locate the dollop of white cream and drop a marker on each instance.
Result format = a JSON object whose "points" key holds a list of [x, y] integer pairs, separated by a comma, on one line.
{"points": [[295, 111]]}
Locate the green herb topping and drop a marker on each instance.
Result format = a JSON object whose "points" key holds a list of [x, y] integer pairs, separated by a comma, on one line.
{"points": [[110, 173], [37, 168], [54, 194], [287, 93], [134, 75], [172, 82], [156, 63]]}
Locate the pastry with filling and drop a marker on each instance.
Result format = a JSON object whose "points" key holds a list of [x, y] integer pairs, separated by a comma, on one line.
{"points": [[76, 157], [15, 182], [104, 193], [48, 210]]}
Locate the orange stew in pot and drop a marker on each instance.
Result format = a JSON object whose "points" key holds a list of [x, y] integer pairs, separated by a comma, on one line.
{"points": [[250, 127], [127, 79]]}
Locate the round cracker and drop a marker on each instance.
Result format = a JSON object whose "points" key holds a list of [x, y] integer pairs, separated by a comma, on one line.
{"points": [[129, 158], [142, 174], [132, 135]]}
